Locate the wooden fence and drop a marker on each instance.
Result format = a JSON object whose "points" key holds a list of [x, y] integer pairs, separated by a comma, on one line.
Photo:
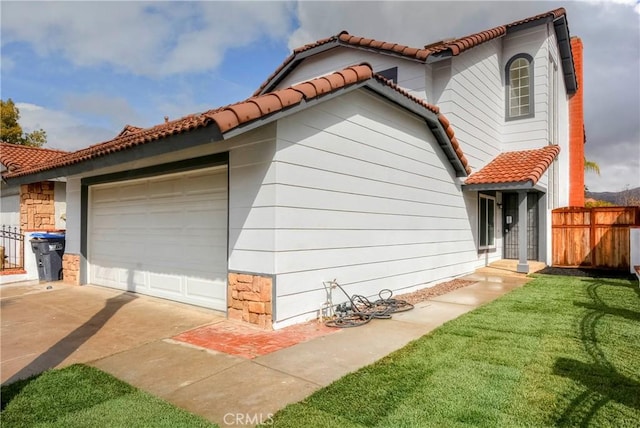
{"points": [[593, 237]]}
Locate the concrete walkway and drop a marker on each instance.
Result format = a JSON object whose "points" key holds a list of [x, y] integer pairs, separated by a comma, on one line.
{"points": [[129, 337]]}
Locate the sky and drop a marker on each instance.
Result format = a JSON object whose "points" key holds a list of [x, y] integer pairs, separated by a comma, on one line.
{"points": [[82, 70]]}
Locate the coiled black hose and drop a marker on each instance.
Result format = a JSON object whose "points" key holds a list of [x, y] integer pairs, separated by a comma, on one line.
{"points": [[361, 310]]}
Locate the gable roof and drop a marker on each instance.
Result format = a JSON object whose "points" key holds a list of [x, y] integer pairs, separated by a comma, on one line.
{"points": [[514, 169], [16, 157], [129, 129], [226, 122], [429, 53]]}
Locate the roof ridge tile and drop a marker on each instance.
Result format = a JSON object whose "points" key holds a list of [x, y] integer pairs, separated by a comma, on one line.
{"points": [[456, 46]]}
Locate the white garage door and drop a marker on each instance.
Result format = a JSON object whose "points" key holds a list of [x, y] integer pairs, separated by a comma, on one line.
{"points": [[163, 236]]}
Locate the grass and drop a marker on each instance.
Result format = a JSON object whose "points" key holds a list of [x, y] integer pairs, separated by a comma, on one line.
{"points": [[82, 396], [561, 351]]}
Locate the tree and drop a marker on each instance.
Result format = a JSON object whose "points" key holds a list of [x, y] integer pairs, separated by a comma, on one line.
{"points": [[591, 166], [11, 131]]}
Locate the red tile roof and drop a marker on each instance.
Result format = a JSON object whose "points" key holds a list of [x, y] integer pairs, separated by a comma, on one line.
{"points": [[454, 46], [229, 117], [516, 167], [16, 157], [129, 129]]}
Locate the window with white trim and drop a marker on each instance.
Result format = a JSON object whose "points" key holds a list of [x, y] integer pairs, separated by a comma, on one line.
{"points": [[486, 222], [519, 94]]}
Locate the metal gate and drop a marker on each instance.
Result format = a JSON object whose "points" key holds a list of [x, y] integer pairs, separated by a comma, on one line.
{"points": [[11, 248], [511, 225]]}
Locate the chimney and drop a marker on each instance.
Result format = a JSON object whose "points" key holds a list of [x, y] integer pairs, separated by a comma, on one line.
{"points": [[577, 138]]}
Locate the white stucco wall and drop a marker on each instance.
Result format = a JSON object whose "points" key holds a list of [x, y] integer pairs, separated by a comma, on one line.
{"points": [[73, 211], [470, 94], [634, 242], [364, 195], [10, 205], [60, 204], [252, 199]]}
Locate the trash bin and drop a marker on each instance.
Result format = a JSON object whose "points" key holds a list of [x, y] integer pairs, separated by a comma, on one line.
{"points": [[48, 248]]}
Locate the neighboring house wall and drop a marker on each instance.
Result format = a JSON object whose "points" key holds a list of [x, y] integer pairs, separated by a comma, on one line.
{"points": [[364, 195], [10, 206], [10, 250], [32, 208]]}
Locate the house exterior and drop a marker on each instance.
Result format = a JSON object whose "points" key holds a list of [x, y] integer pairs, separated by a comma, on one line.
{"points": [[377, 164], [469, 80], [27, 208]]}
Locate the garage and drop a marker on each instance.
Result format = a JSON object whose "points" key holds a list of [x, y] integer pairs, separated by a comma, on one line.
{"points": [[164, 236]]}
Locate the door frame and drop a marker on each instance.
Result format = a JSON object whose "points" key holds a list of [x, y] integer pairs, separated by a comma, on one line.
{"points": [[538, 207]]}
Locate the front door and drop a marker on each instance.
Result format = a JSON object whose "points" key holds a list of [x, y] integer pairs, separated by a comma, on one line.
{"points": [[511, 225]]}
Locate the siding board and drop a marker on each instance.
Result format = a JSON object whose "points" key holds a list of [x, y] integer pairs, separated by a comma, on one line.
{"points": [[364, 195]]}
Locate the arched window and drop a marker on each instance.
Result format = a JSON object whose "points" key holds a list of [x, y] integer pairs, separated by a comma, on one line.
{"points": [[519, 94]]}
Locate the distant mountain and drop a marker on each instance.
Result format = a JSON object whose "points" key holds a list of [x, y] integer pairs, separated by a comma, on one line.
{"points": [[624, 197]]}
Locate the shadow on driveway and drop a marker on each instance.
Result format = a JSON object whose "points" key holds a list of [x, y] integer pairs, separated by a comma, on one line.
{"points": [[66, 346]]}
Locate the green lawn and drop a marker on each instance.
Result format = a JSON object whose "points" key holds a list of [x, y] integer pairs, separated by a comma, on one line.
{"points": [[82, 396], [560, 351]]}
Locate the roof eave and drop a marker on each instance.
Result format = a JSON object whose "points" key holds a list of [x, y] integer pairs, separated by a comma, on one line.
{"points": [[385, 91], [508, 186], [297, 58], [566, 56], [212, 132], [280, 114], [436, 57], [168, 144], [293, 62]]}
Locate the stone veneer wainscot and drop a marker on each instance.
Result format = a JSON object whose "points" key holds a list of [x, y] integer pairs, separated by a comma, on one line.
{"points": [[37, 209], [249, 299], [71, 268]]}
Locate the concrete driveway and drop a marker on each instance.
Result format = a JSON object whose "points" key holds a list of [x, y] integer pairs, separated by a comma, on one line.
{"points": [[53, 325]]}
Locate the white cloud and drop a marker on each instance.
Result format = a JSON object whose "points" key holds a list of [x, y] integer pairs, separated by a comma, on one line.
{"points": [[635, 4], [414, 23], [149, 39], [115, 110], [7, 63], [64, 131]]}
